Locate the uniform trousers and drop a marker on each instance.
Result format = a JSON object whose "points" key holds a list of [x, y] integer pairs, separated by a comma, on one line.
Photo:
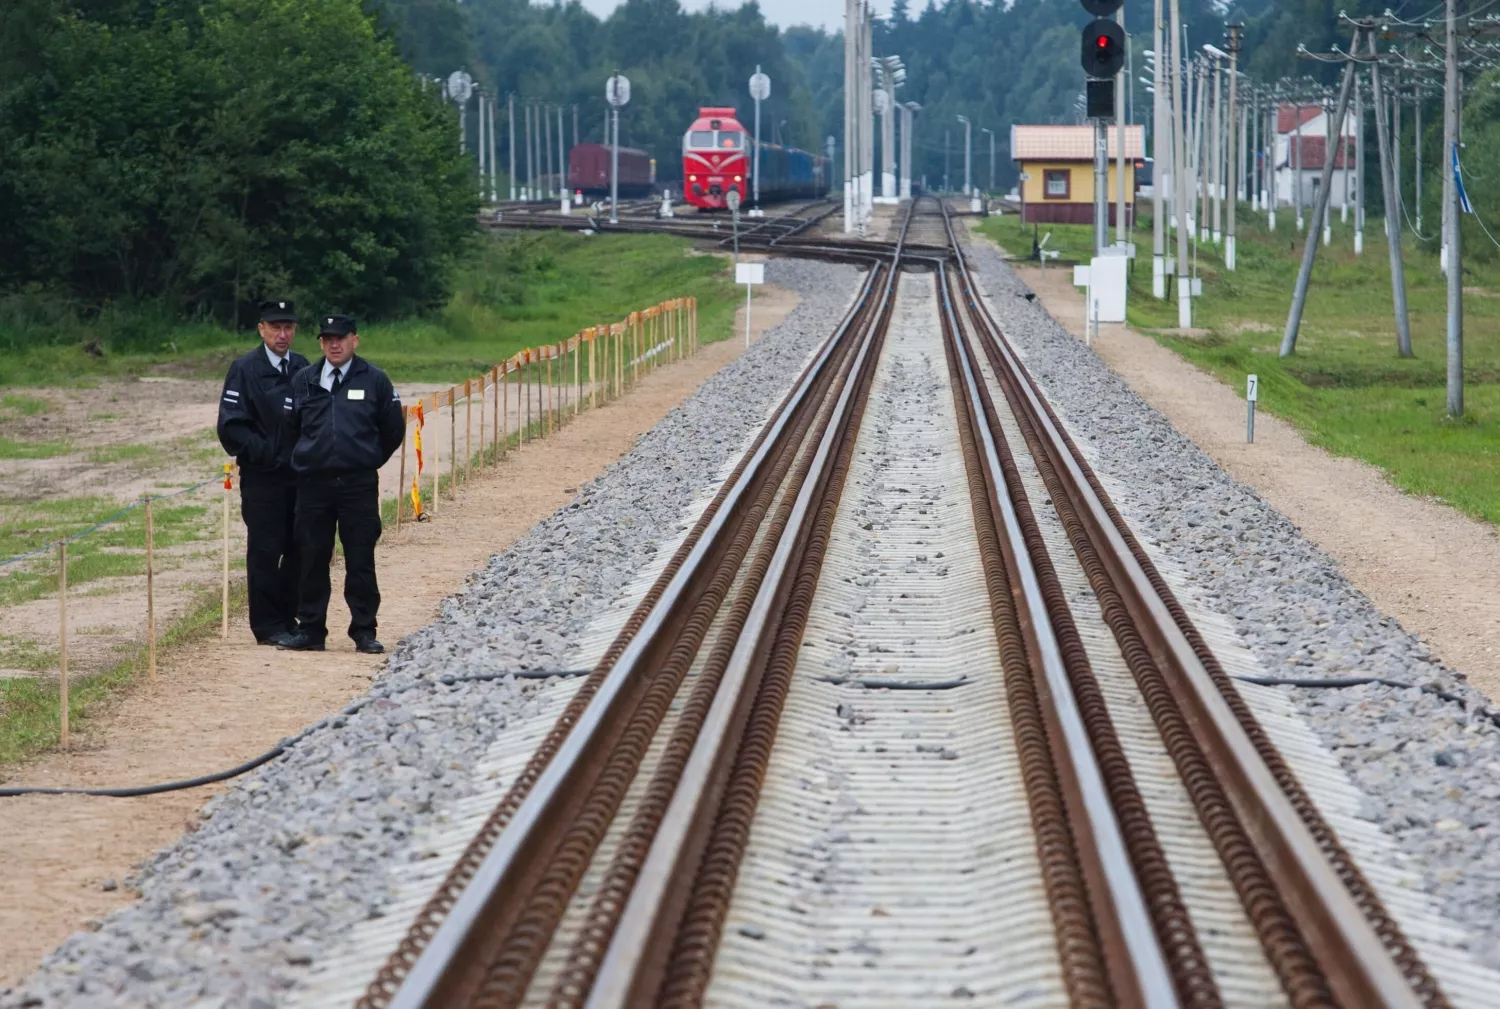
{"points": [[349, 503], [273, 563]]}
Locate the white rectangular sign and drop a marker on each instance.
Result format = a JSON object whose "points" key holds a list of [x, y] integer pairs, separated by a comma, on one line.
{"points": [[750, 273], [1252, 388]]}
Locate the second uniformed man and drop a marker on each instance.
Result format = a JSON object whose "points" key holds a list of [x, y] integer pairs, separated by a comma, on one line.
{"points": [[251, 408], [345, 421]]}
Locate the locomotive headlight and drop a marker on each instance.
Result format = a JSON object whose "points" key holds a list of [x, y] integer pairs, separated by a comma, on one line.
{"points": [[736, 178], [692, 178]]}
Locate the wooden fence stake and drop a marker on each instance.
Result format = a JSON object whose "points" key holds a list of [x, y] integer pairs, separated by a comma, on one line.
{"points": [[577, 388], [468, 430], [551, 390], [452, 445], [224, 579], [150, 593], [593, 371], [62, 639], [437, 454], [484, 442], [495, 374], [401, 467], [505, 406]]}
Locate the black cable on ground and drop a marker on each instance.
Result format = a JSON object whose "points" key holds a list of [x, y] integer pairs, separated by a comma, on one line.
{"points": [[333, 721], [1340, 682], [893, 684]]}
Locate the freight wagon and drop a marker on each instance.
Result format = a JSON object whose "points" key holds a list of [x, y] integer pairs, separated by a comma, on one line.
{"points": [[588, 171]]}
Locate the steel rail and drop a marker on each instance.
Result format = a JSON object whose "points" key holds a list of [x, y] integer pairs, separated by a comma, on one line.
{"points": [[1359, 966], [451, 967], [636, 960], [1138, 970]]}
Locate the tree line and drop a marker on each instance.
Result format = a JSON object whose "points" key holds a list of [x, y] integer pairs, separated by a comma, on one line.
{"points": [[198, 155]]}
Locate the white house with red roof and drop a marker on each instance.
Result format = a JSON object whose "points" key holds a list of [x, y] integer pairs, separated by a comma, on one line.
{"points": [[1300, 151]]}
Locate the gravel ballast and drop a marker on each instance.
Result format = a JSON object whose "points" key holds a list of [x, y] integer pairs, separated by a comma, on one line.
{"points": [[292, 856], [1429, 767]]}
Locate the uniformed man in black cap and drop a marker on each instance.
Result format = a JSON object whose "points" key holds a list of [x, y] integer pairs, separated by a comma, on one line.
{"points": [[345, 421], [252, 429]]}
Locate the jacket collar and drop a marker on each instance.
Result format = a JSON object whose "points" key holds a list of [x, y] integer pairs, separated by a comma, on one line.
{"points": [[357, 366], [295, 362]]}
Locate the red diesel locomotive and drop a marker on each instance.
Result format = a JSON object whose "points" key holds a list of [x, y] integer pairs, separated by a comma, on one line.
{"points": [[718, 156]]}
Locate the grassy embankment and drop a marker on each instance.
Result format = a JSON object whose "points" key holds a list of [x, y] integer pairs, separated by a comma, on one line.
{"points": [[525, 290], [1345, 388]]}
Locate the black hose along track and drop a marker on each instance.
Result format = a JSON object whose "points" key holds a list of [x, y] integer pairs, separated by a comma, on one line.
{"points": [[1287, 948]]}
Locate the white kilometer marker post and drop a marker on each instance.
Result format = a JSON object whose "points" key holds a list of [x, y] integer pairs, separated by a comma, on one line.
{"points": [[1252, 388]]}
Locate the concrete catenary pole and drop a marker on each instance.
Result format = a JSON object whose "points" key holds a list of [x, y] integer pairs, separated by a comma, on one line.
{"points": [[849, 132], [1122, 226], [562, 159], [1161, 167], [986, 129], [546, 112], [528, 191], [1215, 164], [1452, 82], [1392, 210], [1234, 159], [1179, 179], [494, 170], [479, 148], [908, 111], [1359, 169], [510, 118], [968, 187], [1320, 209]]}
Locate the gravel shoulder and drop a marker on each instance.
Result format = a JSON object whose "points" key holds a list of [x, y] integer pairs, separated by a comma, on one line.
{"points": [[290, 858], [1428, 768]]}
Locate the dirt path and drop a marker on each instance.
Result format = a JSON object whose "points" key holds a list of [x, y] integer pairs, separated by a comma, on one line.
{"points": [[1434, 569], [220, 703]]}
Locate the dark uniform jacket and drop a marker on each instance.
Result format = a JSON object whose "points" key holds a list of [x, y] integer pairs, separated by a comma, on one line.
{"points": [[357, 429], [251, 411]]}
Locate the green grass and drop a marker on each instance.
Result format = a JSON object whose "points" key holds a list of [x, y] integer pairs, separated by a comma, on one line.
{"points": [[30, 706], [123, 453], [12, 449], [115, 550], [1346, 389], [24, 653], [520, 289], [28, 406]]}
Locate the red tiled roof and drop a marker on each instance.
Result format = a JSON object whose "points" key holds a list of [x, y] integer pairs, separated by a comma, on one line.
{"points": [[1313, 151], [1284, 121], [1071, 143]]}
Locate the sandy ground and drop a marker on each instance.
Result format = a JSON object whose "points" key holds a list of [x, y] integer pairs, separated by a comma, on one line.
{"points": [[219, 703], [1434, 569]]}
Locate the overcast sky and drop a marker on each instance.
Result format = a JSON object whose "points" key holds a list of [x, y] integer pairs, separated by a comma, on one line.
{"points": [[826, 14]]}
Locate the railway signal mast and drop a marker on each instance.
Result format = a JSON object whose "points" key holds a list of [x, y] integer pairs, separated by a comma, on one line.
{"points": [[1103, 56], [760, 90], [617, 93]]}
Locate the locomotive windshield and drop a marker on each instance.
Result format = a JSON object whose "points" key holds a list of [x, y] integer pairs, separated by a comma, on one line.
{"points": [[710, 140]]}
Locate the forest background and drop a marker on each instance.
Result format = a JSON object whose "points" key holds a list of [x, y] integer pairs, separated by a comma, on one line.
{"points": [[170, 160]]}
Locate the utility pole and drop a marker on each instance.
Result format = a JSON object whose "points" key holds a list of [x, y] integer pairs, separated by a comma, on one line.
{"points": [[562, 160], [1320, 209], [1232, 40], [1215, 166], [1392, 210], [1452, 82], [1161, 133], [1122, 233], [575, 125], [1359, 169], [1179, 177], [510, 118], [968, 186], [984, 129], [908, 110], [494, 172], [528, 192], [546, 112]]}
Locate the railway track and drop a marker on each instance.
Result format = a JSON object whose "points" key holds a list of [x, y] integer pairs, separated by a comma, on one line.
{"points": [[909, 716]]}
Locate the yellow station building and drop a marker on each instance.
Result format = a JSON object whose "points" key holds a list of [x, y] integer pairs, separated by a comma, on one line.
{"points": [[1057, 171]]}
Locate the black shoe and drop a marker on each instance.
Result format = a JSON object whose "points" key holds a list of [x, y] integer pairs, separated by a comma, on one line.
{"points": [[366, 643], [279, 639], [301, 642]]}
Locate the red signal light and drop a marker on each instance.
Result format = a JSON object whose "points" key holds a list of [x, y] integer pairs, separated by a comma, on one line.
{"points": [[1102, 42]]}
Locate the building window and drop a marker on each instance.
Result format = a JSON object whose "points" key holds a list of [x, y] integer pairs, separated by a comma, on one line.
{"points": [[1057, 184]]}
